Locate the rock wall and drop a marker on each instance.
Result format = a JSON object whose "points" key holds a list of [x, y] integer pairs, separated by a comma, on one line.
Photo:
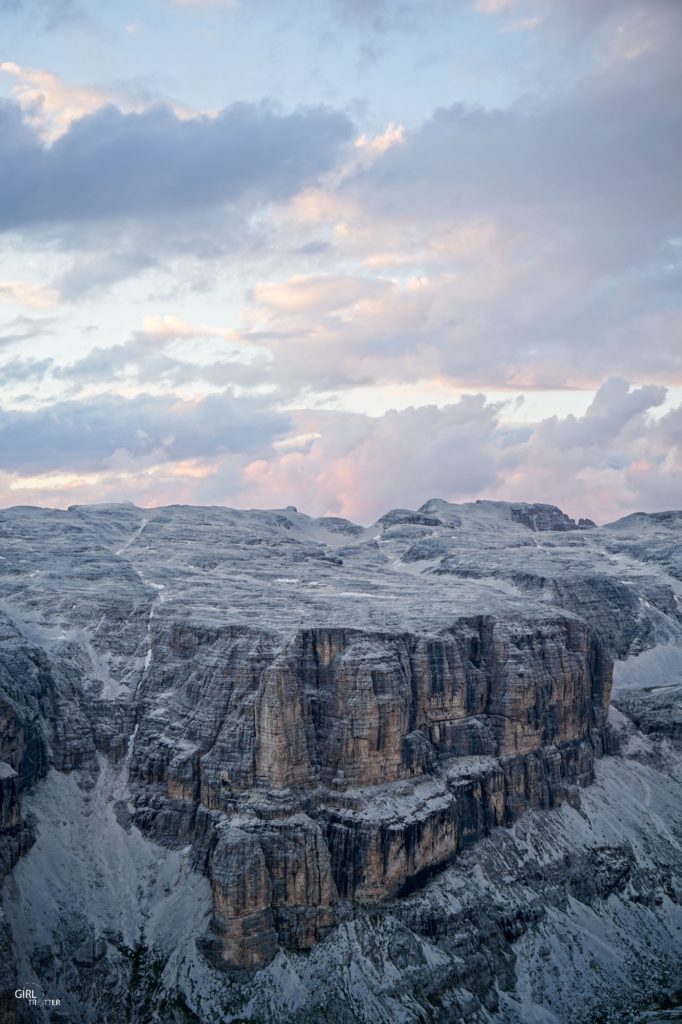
{"points": [[341, 765], [327, 715]]}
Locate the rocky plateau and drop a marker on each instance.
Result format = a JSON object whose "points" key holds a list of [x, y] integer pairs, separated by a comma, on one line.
{"points": [[258, 767]]}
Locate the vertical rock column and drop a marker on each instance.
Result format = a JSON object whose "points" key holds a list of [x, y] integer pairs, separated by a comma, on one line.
{"points": [[272, 882], [9, 797], [244, 936]]}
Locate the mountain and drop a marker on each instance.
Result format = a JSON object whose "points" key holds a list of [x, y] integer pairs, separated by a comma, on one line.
{"points": [[256, 766]]}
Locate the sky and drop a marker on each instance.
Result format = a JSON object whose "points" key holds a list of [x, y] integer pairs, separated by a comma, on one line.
{"points": [[348, 255]]}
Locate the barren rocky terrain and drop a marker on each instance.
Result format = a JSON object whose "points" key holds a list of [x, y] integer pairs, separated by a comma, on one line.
{"points": [[261, 767]]}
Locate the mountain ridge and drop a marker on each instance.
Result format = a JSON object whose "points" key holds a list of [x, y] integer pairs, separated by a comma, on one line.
{"points": [[316, 719]]}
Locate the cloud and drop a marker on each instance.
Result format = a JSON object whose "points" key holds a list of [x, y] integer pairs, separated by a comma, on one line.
{"points": [[360, 466], [375, 145], [95, 270], [533, 246], [615, 458], [152, 165], [23, 293], [495, 321], [377, 15], [170, 327], [22, 371], [168, 186], [385, 16], [319, 293], [81, 436], [168, 357], [615, 409], [595, 159], [24, 329], [46, 17], [619, 456], [49, 104], [149, 360], [573, 167], [494, 6]]}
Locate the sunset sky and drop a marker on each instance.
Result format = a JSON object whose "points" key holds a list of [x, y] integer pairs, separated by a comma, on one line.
{"points": [[342, 254]]}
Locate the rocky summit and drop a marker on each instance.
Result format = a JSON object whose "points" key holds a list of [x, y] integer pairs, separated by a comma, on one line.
{"points": [[260, 767]]}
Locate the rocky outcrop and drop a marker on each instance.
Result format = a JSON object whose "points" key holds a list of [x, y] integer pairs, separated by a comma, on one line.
{"points": [[24, 755], [656, 713], [272, 883], [346, 707], [546, 517], [9, 796], [242, 902], [15, 835], [323, 718], [248, 715]]}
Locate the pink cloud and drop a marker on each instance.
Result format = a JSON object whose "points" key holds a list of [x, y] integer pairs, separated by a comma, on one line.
{"points": [[615, 459]]}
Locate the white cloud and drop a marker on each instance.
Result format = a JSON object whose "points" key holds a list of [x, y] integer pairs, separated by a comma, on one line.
{"points": [[494, 6], [521, 248], [50, 104], [315, 294], [375, 145], [23, 293], [169, 326], [614, 458]]}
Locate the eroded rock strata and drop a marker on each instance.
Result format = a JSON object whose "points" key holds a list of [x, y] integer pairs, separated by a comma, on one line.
{"points": [[319, 718], [348, 765]]}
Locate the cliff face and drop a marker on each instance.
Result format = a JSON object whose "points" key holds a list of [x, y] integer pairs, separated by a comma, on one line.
{"points": [[247, 718], [316, 718], [350, 708]]}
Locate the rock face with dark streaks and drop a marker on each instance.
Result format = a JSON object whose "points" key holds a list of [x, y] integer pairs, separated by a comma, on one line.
{"points": [[313, 720], [332, 710]]}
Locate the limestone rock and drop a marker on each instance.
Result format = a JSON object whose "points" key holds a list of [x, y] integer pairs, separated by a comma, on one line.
{"points": [[323, 718]]}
